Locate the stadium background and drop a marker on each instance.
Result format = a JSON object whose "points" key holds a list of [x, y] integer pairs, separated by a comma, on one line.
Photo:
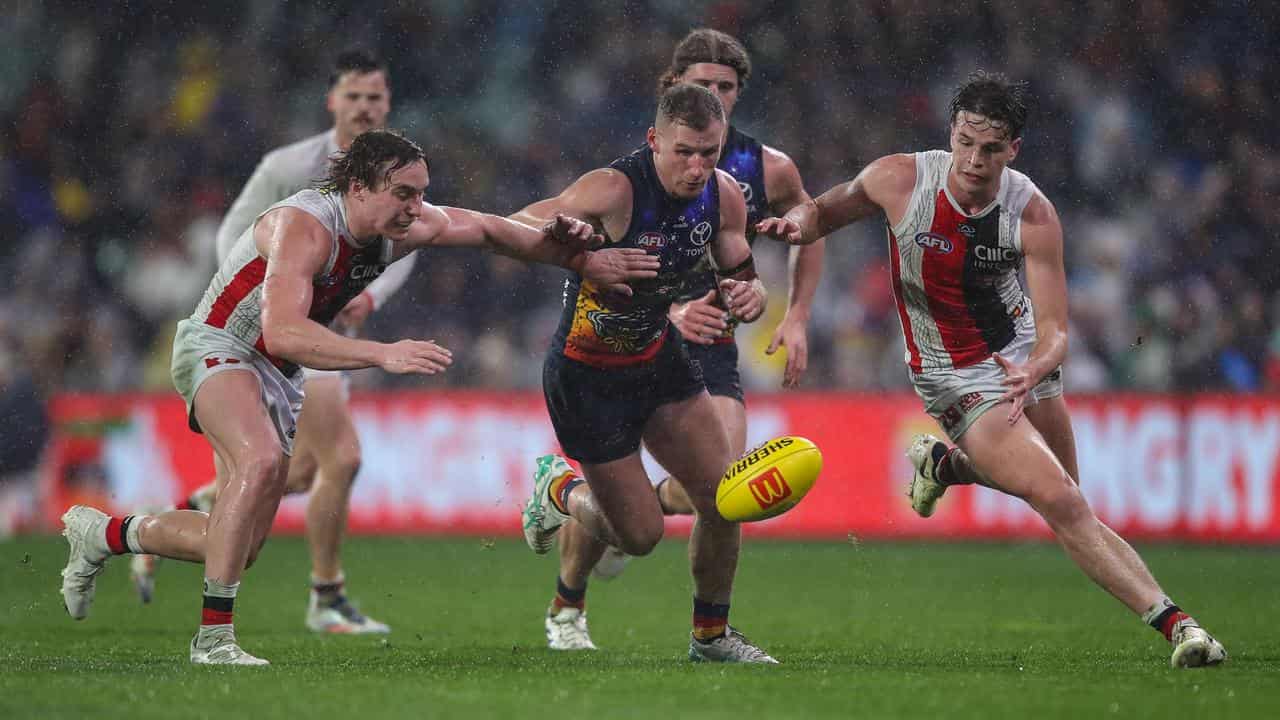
{"points": [[126, 139]]}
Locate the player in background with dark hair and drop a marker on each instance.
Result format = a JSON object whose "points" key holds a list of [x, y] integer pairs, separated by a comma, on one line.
{"points": [[327, 450], [961, 224], [237, 361], [771, 186], [618, 373]]}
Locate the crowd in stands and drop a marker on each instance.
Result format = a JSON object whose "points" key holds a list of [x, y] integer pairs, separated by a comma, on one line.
{"points": [[124, 141]]}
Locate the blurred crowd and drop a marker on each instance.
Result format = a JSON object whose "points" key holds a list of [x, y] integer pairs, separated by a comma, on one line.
{"points": [[127, 136]]}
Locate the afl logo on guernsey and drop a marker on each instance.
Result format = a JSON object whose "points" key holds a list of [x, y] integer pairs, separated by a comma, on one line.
{"points": [[934, 241], [651, 241], [701, 233]]}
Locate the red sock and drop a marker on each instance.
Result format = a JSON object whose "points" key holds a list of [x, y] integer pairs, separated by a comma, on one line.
{"points": [[1170, 620], [116, 529]]}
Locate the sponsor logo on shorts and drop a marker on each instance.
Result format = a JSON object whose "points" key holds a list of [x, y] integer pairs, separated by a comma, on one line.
{"points": [[934, 241], [211, 362], [770, 489], [953, 415]]}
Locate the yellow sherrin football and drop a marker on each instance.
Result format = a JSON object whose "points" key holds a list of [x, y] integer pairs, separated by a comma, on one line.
{"points": [[769, 480]]}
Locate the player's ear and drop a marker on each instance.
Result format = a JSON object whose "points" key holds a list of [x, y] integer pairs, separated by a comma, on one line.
{"points": [[651, 138], [1014, 147]]}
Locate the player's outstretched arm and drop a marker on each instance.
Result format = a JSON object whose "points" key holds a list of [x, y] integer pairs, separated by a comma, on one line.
{"points": [[786, 191], [1047, 285], [297, 247], [883, 186], [740, 288], [561, 241]]}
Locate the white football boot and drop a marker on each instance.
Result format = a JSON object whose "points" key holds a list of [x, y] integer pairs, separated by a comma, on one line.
{"points": [[925, 489], [202, 499], [567, 630], [540, 518], [611, 564], [219, 647], [85, 530], [732, 647], [341, 619], [1193, 647], [142, 570]]}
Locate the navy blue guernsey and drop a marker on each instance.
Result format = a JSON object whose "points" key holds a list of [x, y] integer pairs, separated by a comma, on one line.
{"points": [[743, 158], [608, 330]]}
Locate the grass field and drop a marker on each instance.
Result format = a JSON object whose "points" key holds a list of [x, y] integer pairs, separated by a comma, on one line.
{"points": [[863, 630]]}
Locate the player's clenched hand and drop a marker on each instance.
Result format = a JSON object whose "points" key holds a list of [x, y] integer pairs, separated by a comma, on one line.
{"points": [[574, 233], [1019, 381], [353, 315], [782, 229], [744, 299], [415, 356], [613, 268], [792, 334], [700, 321]]}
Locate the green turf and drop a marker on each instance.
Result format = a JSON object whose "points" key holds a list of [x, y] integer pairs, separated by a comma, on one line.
{"points": [[863, 630]]}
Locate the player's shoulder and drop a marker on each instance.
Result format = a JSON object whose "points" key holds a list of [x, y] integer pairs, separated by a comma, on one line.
{"points": [[298, 154], [605, 182], [776, 161], [894, 173], [1037, 209]]}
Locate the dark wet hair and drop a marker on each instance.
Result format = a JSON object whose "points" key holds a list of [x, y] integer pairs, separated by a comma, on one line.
{"points": [[357, 60], [997, 98], [691, 105], [705, 45], [373, 156]]}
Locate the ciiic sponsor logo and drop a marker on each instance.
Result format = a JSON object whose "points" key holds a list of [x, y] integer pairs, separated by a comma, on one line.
{"points": [[367, 272], [759, 455], [770, 489], [934, 241]]}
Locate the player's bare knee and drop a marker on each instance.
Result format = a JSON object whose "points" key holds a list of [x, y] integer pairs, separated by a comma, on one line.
{"points": [[345, 465], [640, 541], [1060, 502]]}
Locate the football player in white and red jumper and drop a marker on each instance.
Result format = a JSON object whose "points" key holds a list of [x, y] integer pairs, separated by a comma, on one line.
{"points": [[237, 361], [984, 356]]}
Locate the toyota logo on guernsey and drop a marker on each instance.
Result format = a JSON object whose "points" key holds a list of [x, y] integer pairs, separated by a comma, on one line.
{"points": [[934, 241], [770, 489], [701, 233]]}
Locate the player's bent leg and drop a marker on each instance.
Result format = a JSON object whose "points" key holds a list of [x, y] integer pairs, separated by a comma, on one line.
{"points": [[1017, 460], [1052, 420], [689, 438], [617, 505], [565, 622]]}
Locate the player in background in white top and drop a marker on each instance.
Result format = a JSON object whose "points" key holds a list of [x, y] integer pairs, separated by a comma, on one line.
{"points": [[327, 454], [984, 358], [236, 359]]}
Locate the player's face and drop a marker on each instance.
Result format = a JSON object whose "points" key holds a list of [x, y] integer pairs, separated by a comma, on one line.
{"points": [[359, 102], [686, 158], [719, 79], [980, 151], [393, 208]]}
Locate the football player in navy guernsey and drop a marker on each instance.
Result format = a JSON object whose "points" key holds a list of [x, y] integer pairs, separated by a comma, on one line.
{"points": [[618, 372], [985, 357], [237, 361], [771, 186]]}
